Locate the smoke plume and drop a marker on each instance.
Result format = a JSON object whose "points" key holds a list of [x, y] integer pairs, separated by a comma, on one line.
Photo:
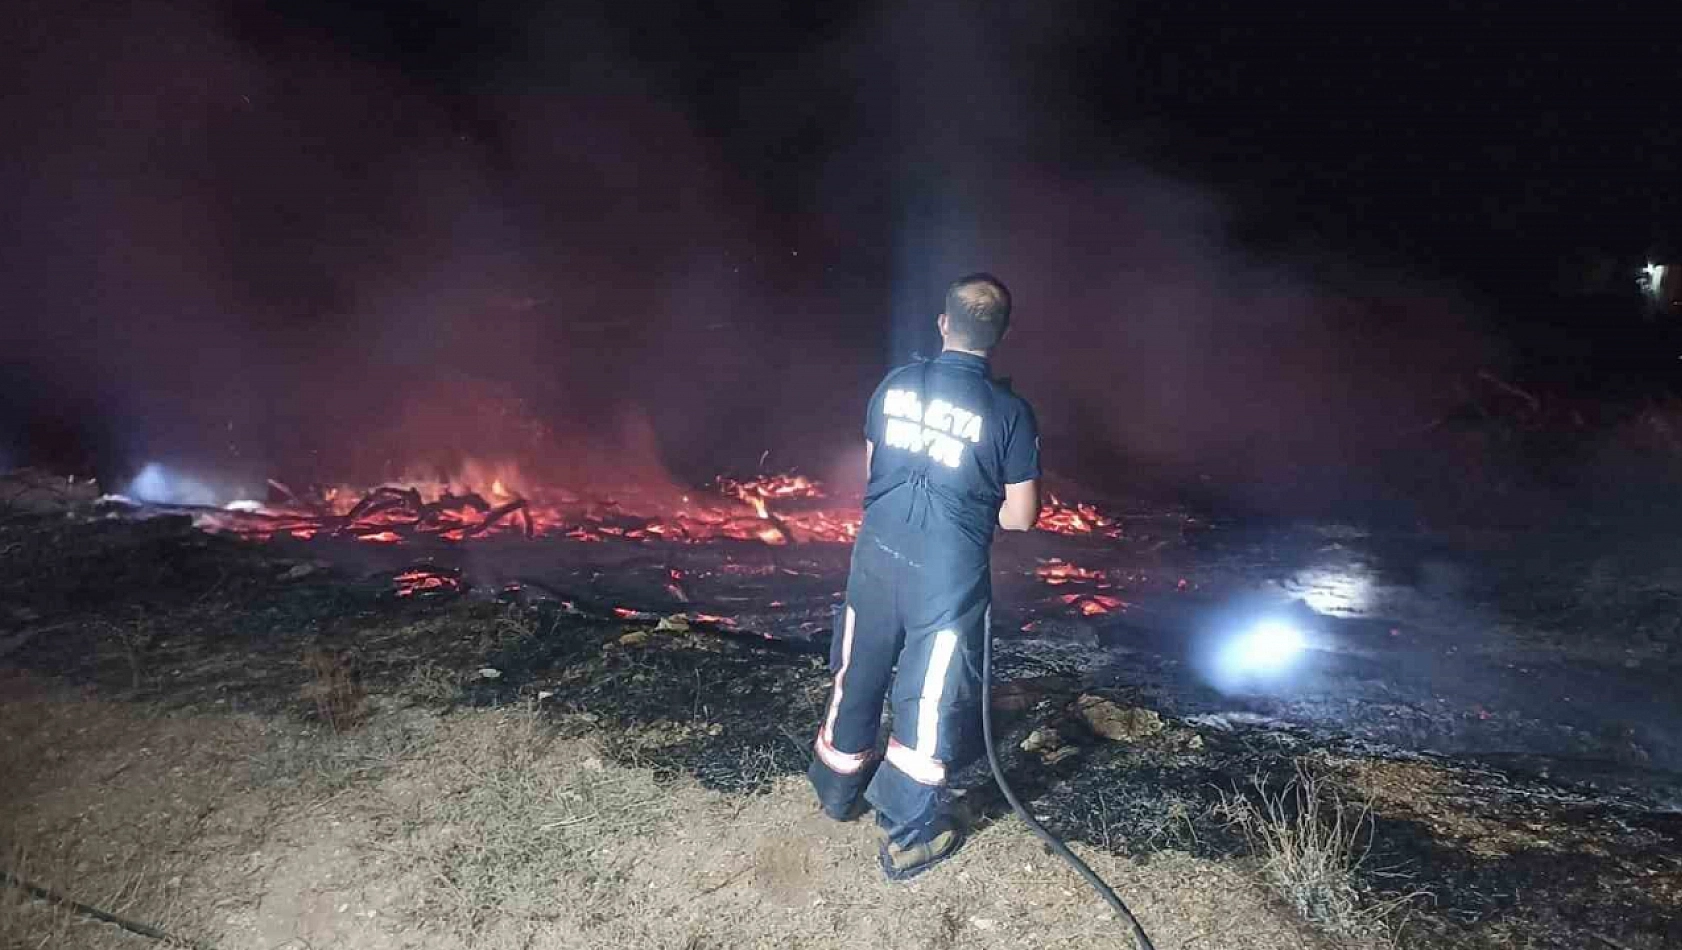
{"points": [[242, 242]]}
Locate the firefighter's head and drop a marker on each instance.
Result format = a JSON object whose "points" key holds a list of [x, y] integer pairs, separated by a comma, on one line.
{"points": [[977, 314]]}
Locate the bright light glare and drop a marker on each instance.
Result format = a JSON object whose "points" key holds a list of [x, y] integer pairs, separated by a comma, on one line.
{"points": [[1345, 591], [1268, 648], [160, 485]]}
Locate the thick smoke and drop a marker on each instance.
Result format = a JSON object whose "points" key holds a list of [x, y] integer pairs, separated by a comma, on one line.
{"points": [[243, 245], [241, 248], [1157, 347]]}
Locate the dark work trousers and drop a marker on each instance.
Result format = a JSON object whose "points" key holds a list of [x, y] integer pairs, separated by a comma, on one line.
{"points": [[920, 605]]}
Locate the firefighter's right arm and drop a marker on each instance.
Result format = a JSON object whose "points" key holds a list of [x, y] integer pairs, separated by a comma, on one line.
{"points": [[1022, 506]]}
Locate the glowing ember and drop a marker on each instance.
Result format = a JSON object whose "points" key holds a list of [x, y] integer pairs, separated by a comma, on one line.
{"points": [[426, 580], [1057, 572], [758, 494], [771, 486], [1092, 605], [1079, 518]]}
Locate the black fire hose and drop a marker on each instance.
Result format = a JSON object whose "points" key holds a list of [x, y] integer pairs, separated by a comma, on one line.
{"points": [[1141, 940], [94, 913]]}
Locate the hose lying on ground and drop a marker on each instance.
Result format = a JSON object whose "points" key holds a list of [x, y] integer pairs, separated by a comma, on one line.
{"points": [[1141, 940], [87, 910]]}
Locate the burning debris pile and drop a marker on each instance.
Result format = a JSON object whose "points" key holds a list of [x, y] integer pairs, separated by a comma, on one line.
{"points": [[458, 510], [776, 509], [764, 554]]}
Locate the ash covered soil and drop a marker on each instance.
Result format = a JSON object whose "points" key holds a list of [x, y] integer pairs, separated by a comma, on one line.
{"points": [[1495, 718]]}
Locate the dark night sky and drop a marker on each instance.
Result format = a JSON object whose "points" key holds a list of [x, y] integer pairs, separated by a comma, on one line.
{"points": [[1463, 137], [1246, 238]]}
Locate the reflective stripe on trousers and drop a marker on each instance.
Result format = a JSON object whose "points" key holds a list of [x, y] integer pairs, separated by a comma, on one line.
{"points": [[923, 762], [847, 763]]}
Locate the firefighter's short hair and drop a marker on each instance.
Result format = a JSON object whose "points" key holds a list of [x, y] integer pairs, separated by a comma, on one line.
{"points": [[977, 311]]}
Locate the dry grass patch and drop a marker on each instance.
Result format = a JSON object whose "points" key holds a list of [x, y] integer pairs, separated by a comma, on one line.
{"points": [[334, 689], [154, 816], [1311, 842], [1442, 800], [508, 813], [515, 838], [485, 830], [431, 684]]}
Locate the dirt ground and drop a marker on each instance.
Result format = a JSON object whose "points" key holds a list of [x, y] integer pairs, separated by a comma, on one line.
{"points": [[487, 828], [253, 750]]}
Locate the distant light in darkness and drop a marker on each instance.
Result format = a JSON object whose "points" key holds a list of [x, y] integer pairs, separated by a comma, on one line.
{"points": [[1652, 279]]}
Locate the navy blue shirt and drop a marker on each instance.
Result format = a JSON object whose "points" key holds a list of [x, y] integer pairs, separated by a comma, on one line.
{"points": [[949, 438]]}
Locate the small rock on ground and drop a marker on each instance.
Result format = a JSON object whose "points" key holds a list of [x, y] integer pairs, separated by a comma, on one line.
{"points": [[1116, 722]]}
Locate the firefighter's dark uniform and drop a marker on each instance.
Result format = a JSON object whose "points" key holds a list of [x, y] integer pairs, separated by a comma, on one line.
{"points": [[948, 438]]}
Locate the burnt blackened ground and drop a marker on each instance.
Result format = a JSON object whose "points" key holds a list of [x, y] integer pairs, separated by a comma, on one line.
{"points": [[1509, 856]]}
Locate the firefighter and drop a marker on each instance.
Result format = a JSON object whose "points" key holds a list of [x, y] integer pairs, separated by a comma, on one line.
{"points": [[952, 454]]}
